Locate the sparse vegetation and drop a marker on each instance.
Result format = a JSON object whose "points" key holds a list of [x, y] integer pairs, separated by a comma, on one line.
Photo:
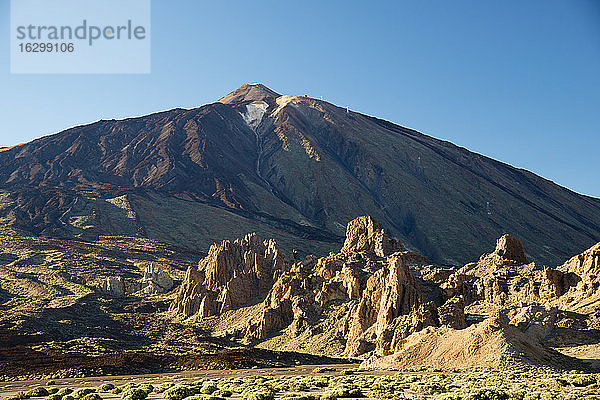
{"points": [[134, 394], [105, 387], [418, 383], [178, 392], [37, 392]]}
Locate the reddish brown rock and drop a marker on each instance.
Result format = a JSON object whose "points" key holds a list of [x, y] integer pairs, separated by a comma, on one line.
{"points": [[452, 313], [364, 234], [509, 251], [231, 274]]}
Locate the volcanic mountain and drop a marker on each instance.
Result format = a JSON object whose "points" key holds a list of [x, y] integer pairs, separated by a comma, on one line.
{"points": [[291, 168]]}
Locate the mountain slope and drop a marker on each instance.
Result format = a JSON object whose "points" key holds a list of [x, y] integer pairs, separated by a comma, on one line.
{"points": [[296, 165]]}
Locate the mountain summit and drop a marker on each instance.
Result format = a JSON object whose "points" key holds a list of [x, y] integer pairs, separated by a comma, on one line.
{"points": [[249, 93], [291, 168]]}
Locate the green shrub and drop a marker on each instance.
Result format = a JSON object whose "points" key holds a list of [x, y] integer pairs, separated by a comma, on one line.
{"points": [[209, 388], [68, 397], [134, 394], [177, 393], [260, 393], [81, 393], [37, 392], [163, 386], [320, 370], [146, 387], [92, 396], [128, 386], [327, 396], [54, 396], [488, 394], [223, 393], [583, 380], [52, 390], [106, 387], [293, 396], [64, 391], [344, 390]]}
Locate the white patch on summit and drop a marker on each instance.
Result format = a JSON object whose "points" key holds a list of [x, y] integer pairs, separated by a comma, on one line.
{"points": [[254, 113], [283, 101]]}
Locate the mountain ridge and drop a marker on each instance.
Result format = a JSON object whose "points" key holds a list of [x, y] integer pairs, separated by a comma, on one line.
{"points": [[278, 158]]}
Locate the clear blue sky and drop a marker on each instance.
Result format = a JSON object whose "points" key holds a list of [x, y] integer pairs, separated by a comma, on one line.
{"points": [[515, 80]]}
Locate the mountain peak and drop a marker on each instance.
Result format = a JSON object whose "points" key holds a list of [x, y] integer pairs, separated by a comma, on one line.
{"points": [[249, 93]]}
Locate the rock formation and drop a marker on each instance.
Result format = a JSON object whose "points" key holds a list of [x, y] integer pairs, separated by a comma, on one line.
{"points": [[370, 278], [114, 285], [153, 281], [230, 275], [375, 300], [364, 234], [579, 278]]}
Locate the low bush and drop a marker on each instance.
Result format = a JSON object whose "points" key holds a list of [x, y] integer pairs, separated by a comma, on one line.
{"points": [[134, 394], [178, 392], [583, 380], [208, 388], [64, 391], [488, 394], [258, 393], [344, 390], [92, 396], [163, 386], [105, 387], [146, 387], [320, 370], [81, 393], [37, 392], [293, 396]]}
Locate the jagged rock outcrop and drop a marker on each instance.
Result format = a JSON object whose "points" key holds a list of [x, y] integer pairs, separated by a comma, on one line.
{"points": [[364, 234], [373, 299], [579, 277], [370, 278], [155, 280], [504, 277], [114, 285], [388, 309], [231, 274], [509, 251], [452, 313]]}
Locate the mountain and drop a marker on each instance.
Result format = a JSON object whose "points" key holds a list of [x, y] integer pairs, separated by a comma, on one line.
{"points": [[291, 168]]}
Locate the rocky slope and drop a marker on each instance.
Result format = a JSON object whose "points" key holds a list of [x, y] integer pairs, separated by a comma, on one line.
{"points": [[291, 168], [375, 300]]}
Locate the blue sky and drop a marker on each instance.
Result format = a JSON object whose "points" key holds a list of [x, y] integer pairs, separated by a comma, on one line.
{"points": [[518, 81]]}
